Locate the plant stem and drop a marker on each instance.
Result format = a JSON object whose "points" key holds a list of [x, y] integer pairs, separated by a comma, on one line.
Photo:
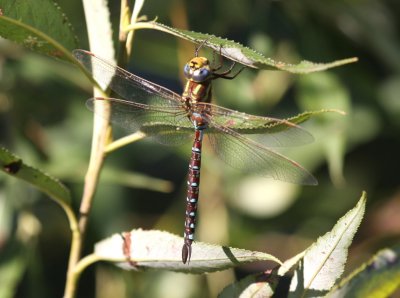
{"points": [[101, 135], [100, 139], [95, 11], [124, 141], [76, 243]]}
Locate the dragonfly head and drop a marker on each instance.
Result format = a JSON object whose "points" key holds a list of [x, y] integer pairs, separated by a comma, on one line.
{"points": [[198, 70]]}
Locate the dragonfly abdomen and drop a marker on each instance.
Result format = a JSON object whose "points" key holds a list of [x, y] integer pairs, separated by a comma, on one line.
{"points": [[192, 195]]}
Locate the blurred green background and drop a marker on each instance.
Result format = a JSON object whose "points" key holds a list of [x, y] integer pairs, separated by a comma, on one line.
{"points": [[44, 120]]}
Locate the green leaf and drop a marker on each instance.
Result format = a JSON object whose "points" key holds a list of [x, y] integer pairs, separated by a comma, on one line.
{"points": [[323, 262], [163, 250], [255, 285], [262, 125], [303, 117], [379, 278], [14, 166], [241, 54], [38, 25]]}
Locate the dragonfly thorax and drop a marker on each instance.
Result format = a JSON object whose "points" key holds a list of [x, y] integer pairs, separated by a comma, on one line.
{"points": [[198, 70]]}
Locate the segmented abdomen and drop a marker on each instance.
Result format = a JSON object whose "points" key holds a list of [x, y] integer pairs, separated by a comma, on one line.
{"points": [[192, 195]]}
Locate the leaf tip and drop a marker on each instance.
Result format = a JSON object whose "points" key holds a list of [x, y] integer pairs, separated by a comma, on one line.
{"points": [[364, 196]]}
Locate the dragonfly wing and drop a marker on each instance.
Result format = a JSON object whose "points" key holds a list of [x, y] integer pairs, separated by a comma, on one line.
{"points": [[167, 125], [271, 132], [251, 157], [124, 83], [168, 134]]}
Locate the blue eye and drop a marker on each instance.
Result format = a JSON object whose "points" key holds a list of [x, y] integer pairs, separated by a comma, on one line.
{"points": [[201, 75], [186, 70]]}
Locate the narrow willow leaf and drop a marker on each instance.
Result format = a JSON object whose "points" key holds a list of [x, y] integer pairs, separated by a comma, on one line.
{"points": [[241, 54], [323, 262], [290, 264], [379, 278], [261, 285], [38, 25], [300, 118], [271, 126], [14, 166], [162, 250]]}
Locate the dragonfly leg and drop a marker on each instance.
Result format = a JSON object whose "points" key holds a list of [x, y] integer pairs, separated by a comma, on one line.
{"points": [[197, 49], [219, 66], [225, 74]]}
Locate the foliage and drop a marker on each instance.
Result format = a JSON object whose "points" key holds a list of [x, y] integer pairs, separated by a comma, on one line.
{"points": [[13, 165], [46, 124]]}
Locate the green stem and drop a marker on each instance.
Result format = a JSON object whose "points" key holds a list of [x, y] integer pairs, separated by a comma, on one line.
{"points": [[70, 286], [124, 141]]}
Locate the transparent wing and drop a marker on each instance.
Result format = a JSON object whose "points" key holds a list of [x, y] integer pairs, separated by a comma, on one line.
{"points": [[126, 84], [167, 125], [271, 132], [248, 156]]}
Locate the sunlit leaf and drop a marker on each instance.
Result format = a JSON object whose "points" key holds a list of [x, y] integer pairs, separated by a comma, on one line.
{"points": [[38, 25], [162, 250], [14, 166], [379, 278], [241, 54], [290, 264], [323, 262], [253, 286]]}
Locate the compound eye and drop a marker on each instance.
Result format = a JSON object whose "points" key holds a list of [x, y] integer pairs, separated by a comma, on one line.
{"points": [[200, 75], [186, 70]]}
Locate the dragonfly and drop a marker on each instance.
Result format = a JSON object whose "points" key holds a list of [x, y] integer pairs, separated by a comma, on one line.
{"points": [[242, 140]]}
